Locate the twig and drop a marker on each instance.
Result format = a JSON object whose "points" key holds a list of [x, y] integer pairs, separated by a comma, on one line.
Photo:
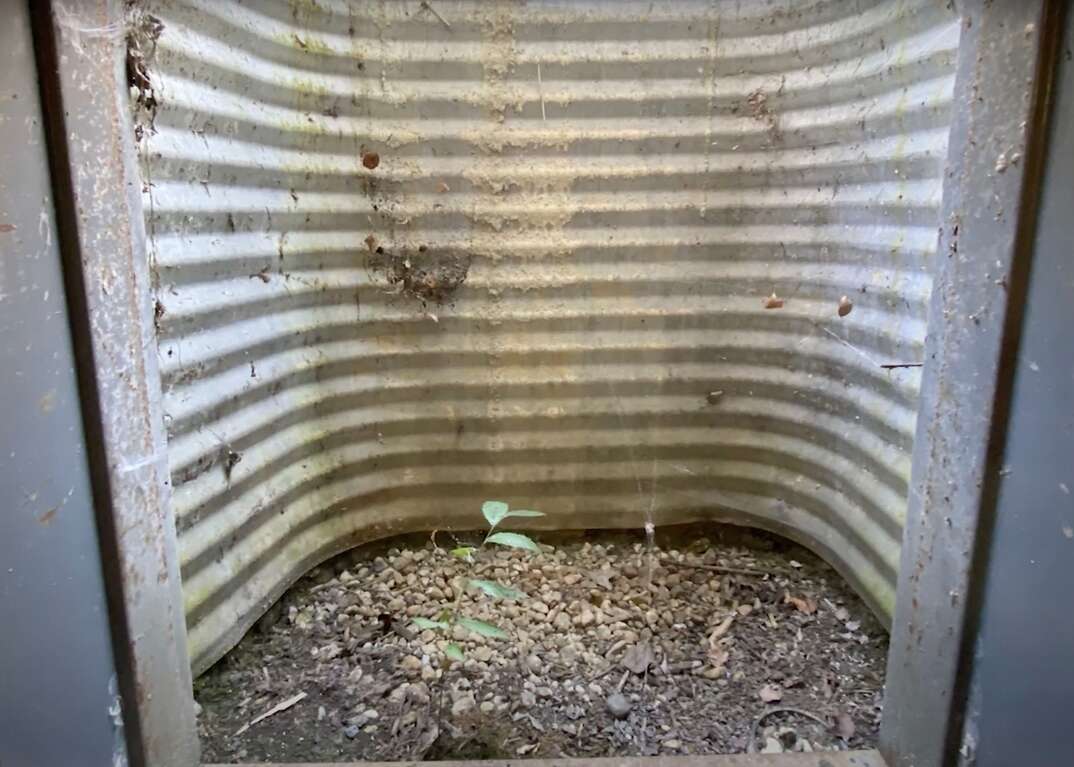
{"points": [[894, 365], [780, 710], [723, 569], [680, 667], [426, 6], [603, 673], [540, 91], [382, 650], [323, 586], [282, 706], [644, 709]]}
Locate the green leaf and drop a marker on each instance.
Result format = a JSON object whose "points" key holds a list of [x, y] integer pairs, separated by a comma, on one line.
{"points": [[425, 623], [463, 552], [454, 652], [494, 512], [524, 513], [496, 590], [514, 540], [482, 628]]}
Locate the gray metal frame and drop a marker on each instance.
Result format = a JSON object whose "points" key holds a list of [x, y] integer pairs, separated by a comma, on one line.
{"points": [[1005, 61], [985, 253], [1022, 679], [81, 54], [56, 664]]}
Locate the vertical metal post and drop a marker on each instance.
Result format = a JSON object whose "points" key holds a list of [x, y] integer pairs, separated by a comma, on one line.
{"points": [[1019, 701], [58, 702], [81, 55], [988, 215]]}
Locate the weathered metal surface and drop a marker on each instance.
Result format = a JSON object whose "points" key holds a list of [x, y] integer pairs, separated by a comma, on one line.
{"points": [[826, 759], [81, 47], [56, 660], [1021, 672], [603, 195], [985, 247]]}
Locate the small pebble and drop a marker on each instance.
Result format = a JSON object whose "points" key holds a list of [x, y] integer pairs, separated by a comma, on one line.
{"points": [[772, 746], [618, 706], [463, 704]]}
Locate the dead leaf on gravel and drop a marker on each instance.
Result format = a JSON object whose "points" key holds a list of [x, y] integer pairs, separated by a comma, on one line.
{"points": [[802, 604], [427, 738], [638, 658], [718, 658], [602, 578], [282, 706], [844, 725], [720, 630], [770, 693]]}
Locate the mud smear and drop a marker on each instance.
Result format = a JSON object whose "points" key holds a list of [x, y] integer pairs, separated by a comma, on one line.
{"points": [[429, 276]]}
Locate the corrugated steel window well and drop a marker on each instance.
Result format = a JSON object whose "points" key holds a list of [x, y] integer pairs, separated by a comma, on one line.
{"points": [[626, 263]]}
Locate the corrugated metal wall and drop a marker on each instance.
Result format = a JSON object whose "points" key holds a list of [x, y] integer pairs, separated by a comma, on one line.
{"points": [[603, 194]]}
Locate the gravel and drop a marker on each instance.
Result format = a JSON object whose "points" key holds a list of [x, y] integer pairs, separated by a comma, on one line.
{"points": [[616, 650], [618, 705]]}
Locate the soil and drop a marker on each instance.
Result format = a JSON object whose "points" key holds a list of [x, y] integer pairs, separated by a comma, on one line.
{"points": [[427, 276], [715, 641]]}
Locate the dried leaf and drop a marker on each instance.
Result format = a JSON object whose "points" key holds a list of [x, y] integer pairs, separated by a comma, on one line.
{"points": [[718, 657], [282, 706], [773, 302], [771, 693], [638, 658], [802, 604], [720, 630], [602, 578], [844, 725], [496, 590]]}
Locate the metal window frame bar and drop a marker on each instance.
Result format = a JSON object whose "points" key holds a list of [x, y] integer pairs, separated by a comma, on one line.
{"points": [[81, 59], [1004, 64], [1006, 60]]}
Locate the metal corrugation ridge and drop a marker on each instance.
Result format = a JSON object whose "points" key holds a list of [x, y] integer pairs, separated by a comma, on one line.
{"points": [[410, 260]]}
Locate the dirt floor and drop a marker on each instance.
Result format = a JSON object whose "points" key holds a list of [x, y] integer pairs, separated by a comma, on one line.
{"points": [[715, 641]]}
